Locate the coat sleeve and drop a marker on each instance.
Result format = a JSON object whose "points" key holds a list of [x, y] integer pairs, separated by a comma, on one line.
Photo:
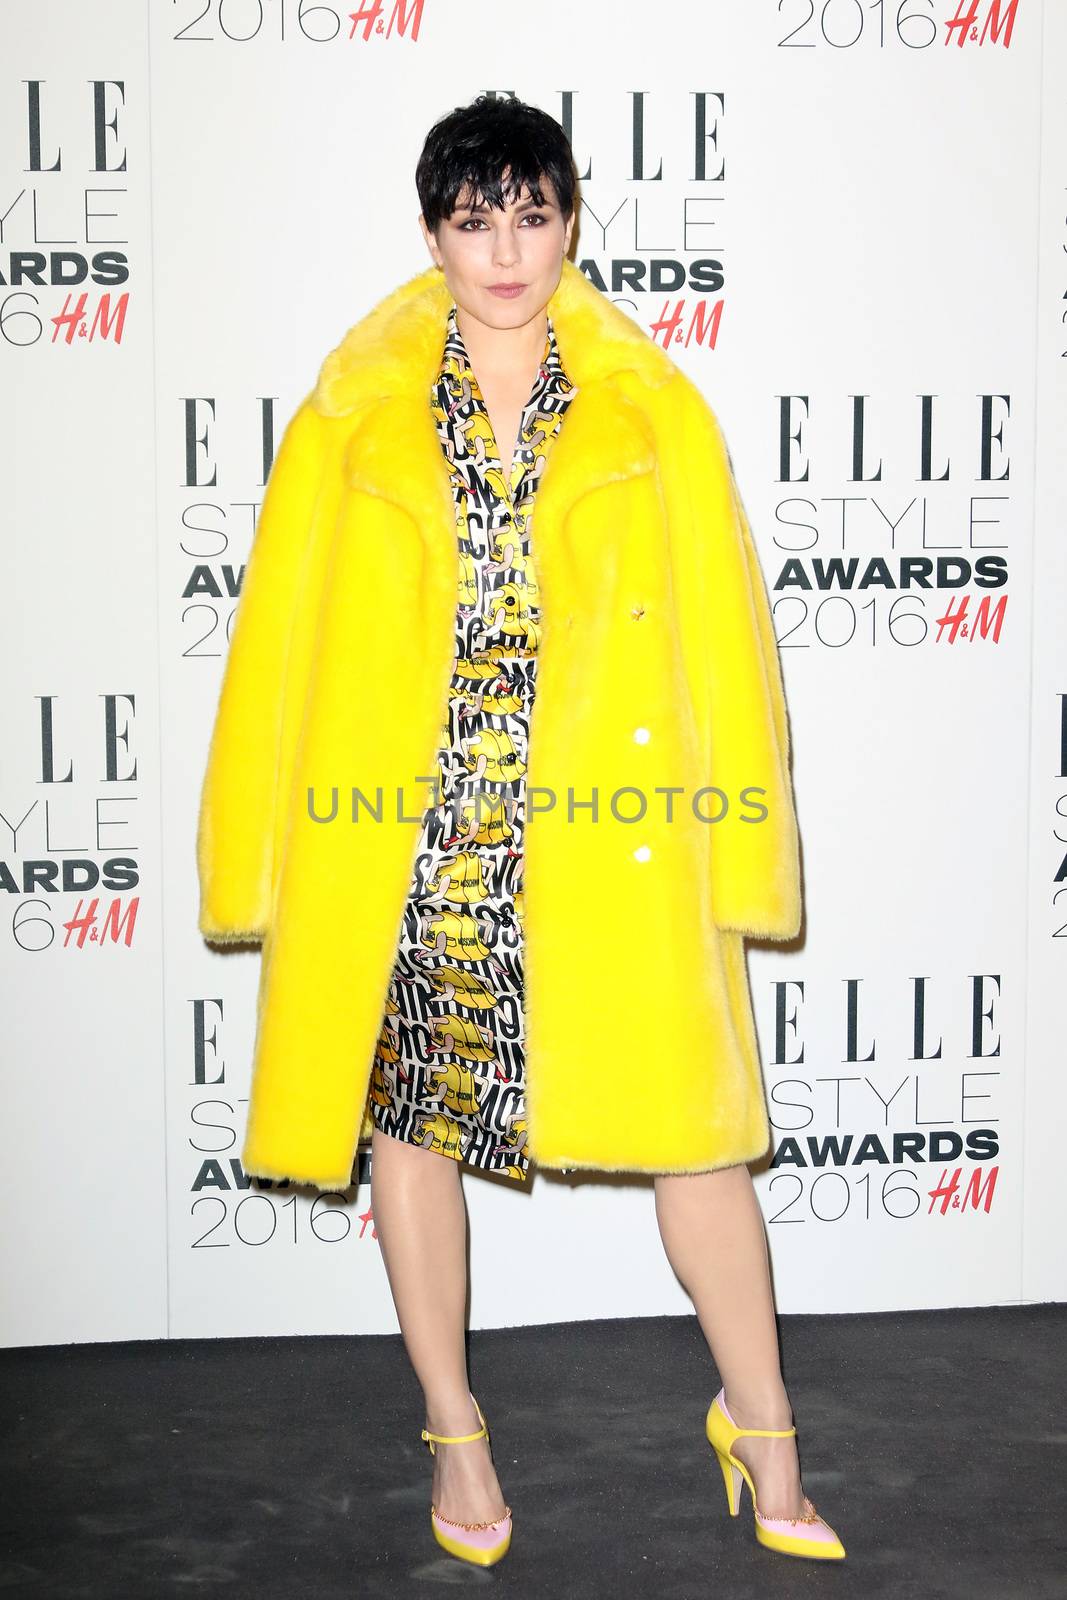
{"points": [[755, 863], [235, 830]]}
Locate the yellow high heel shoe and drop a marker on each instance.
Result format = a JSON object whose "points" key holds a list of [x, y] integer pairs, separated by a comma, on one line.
{"points": [[793, 1536], [480, 1542]]}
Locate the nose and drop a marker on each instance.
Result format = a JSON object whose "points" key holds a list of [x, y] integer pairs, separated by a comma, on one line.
{"points": [[505, 250]]}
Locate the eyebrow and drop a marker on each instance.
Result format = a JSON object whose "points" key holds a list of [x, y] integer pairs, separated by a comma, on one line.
{"points": [[524, 205]]}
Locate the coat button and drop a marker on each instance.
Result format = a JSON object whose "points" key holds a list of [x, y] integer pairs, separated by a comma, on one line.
{"points": [[641, 735], [642, 853]]}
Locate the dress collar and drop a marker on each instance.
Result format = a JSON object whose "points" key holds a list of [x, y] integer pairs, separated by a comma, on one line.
{"points": [[454, 354]]}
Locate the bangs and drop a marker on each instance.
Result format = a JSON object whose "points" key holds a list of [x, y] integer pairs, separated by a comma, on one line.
{"points": [[490, 152]]}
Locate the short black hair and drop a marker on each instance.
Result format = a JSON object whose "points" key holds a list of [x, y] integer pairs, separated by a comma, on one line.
{"points": [[477, 143]]}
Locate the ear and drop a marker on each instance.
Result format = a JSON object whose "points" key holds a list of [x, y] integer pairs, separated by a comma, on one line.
{"points": [[568, 231], [431, 241]]}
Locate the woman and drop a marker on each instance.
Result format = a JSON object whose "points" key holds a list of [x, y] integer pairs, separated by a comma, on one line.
{"points": [[540, 956]]}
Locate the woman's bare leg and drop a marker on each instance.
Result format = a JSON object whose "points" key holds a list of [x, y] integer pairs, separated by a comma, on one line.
{"points": [[713, 1232], [421, 1221]]}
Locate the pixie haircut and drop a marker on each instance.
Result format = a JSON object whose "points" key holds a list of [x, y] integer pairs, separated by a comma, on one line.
{"points": [[477, 143]]}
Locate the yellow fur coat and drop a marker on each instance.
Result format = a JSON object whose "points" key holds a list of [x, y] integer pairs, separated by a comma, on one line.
{"points": [[658, 670]]}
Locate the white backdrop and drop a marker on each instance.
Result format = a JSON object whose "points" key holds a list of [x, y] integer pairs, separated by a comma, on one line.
{"points": [[850, 228]]}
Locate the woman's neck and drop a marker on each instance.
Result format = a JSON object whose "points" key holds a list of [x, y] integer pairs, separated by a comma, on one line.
{"points": [[501, 353]]}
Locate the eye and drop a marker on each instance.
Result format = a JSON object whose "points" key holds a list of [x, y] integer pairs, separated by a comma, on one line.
{"points": [[465, 225], [535, 216]]}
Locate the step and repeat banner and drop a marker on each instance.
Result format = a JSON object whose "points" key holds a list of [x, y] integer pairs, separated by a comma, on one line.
{"points": [[849, 226]]}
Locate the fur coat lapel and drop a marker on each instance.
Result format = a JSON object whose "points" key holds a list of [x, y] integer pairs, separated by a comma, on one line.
{"points": [[382, 371]]}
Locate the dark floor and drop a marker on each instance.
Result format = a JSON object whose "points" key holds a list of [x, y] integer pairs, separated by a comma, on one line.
{"points": [[934, 1441]]}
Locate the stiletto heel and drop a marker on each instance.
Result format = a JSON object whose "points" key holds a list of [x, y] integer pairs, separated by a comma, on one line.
{"points": [[483, 1543], [809, 1535], [733, 1483]]}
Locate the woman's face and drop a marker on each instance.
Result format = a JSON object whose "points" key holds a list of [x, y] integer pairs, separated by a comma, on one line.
{"points": [[479, 246]]}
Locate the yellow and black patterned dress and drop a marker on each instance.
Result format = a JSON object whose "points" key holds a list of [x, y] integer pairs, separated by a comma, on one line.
{"points": [[449, 1070]]}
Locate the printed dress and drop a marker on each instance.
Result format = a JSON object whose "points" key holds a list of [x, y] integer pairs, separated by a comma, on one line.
{"points": [[449, 1068]]}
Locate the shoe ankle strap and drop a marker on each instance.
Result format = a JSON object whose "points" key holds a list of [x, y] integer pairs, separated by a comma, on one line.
{"points": [[452, 1438], [761, 1433], [766, 1433], [458, 1438]]}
